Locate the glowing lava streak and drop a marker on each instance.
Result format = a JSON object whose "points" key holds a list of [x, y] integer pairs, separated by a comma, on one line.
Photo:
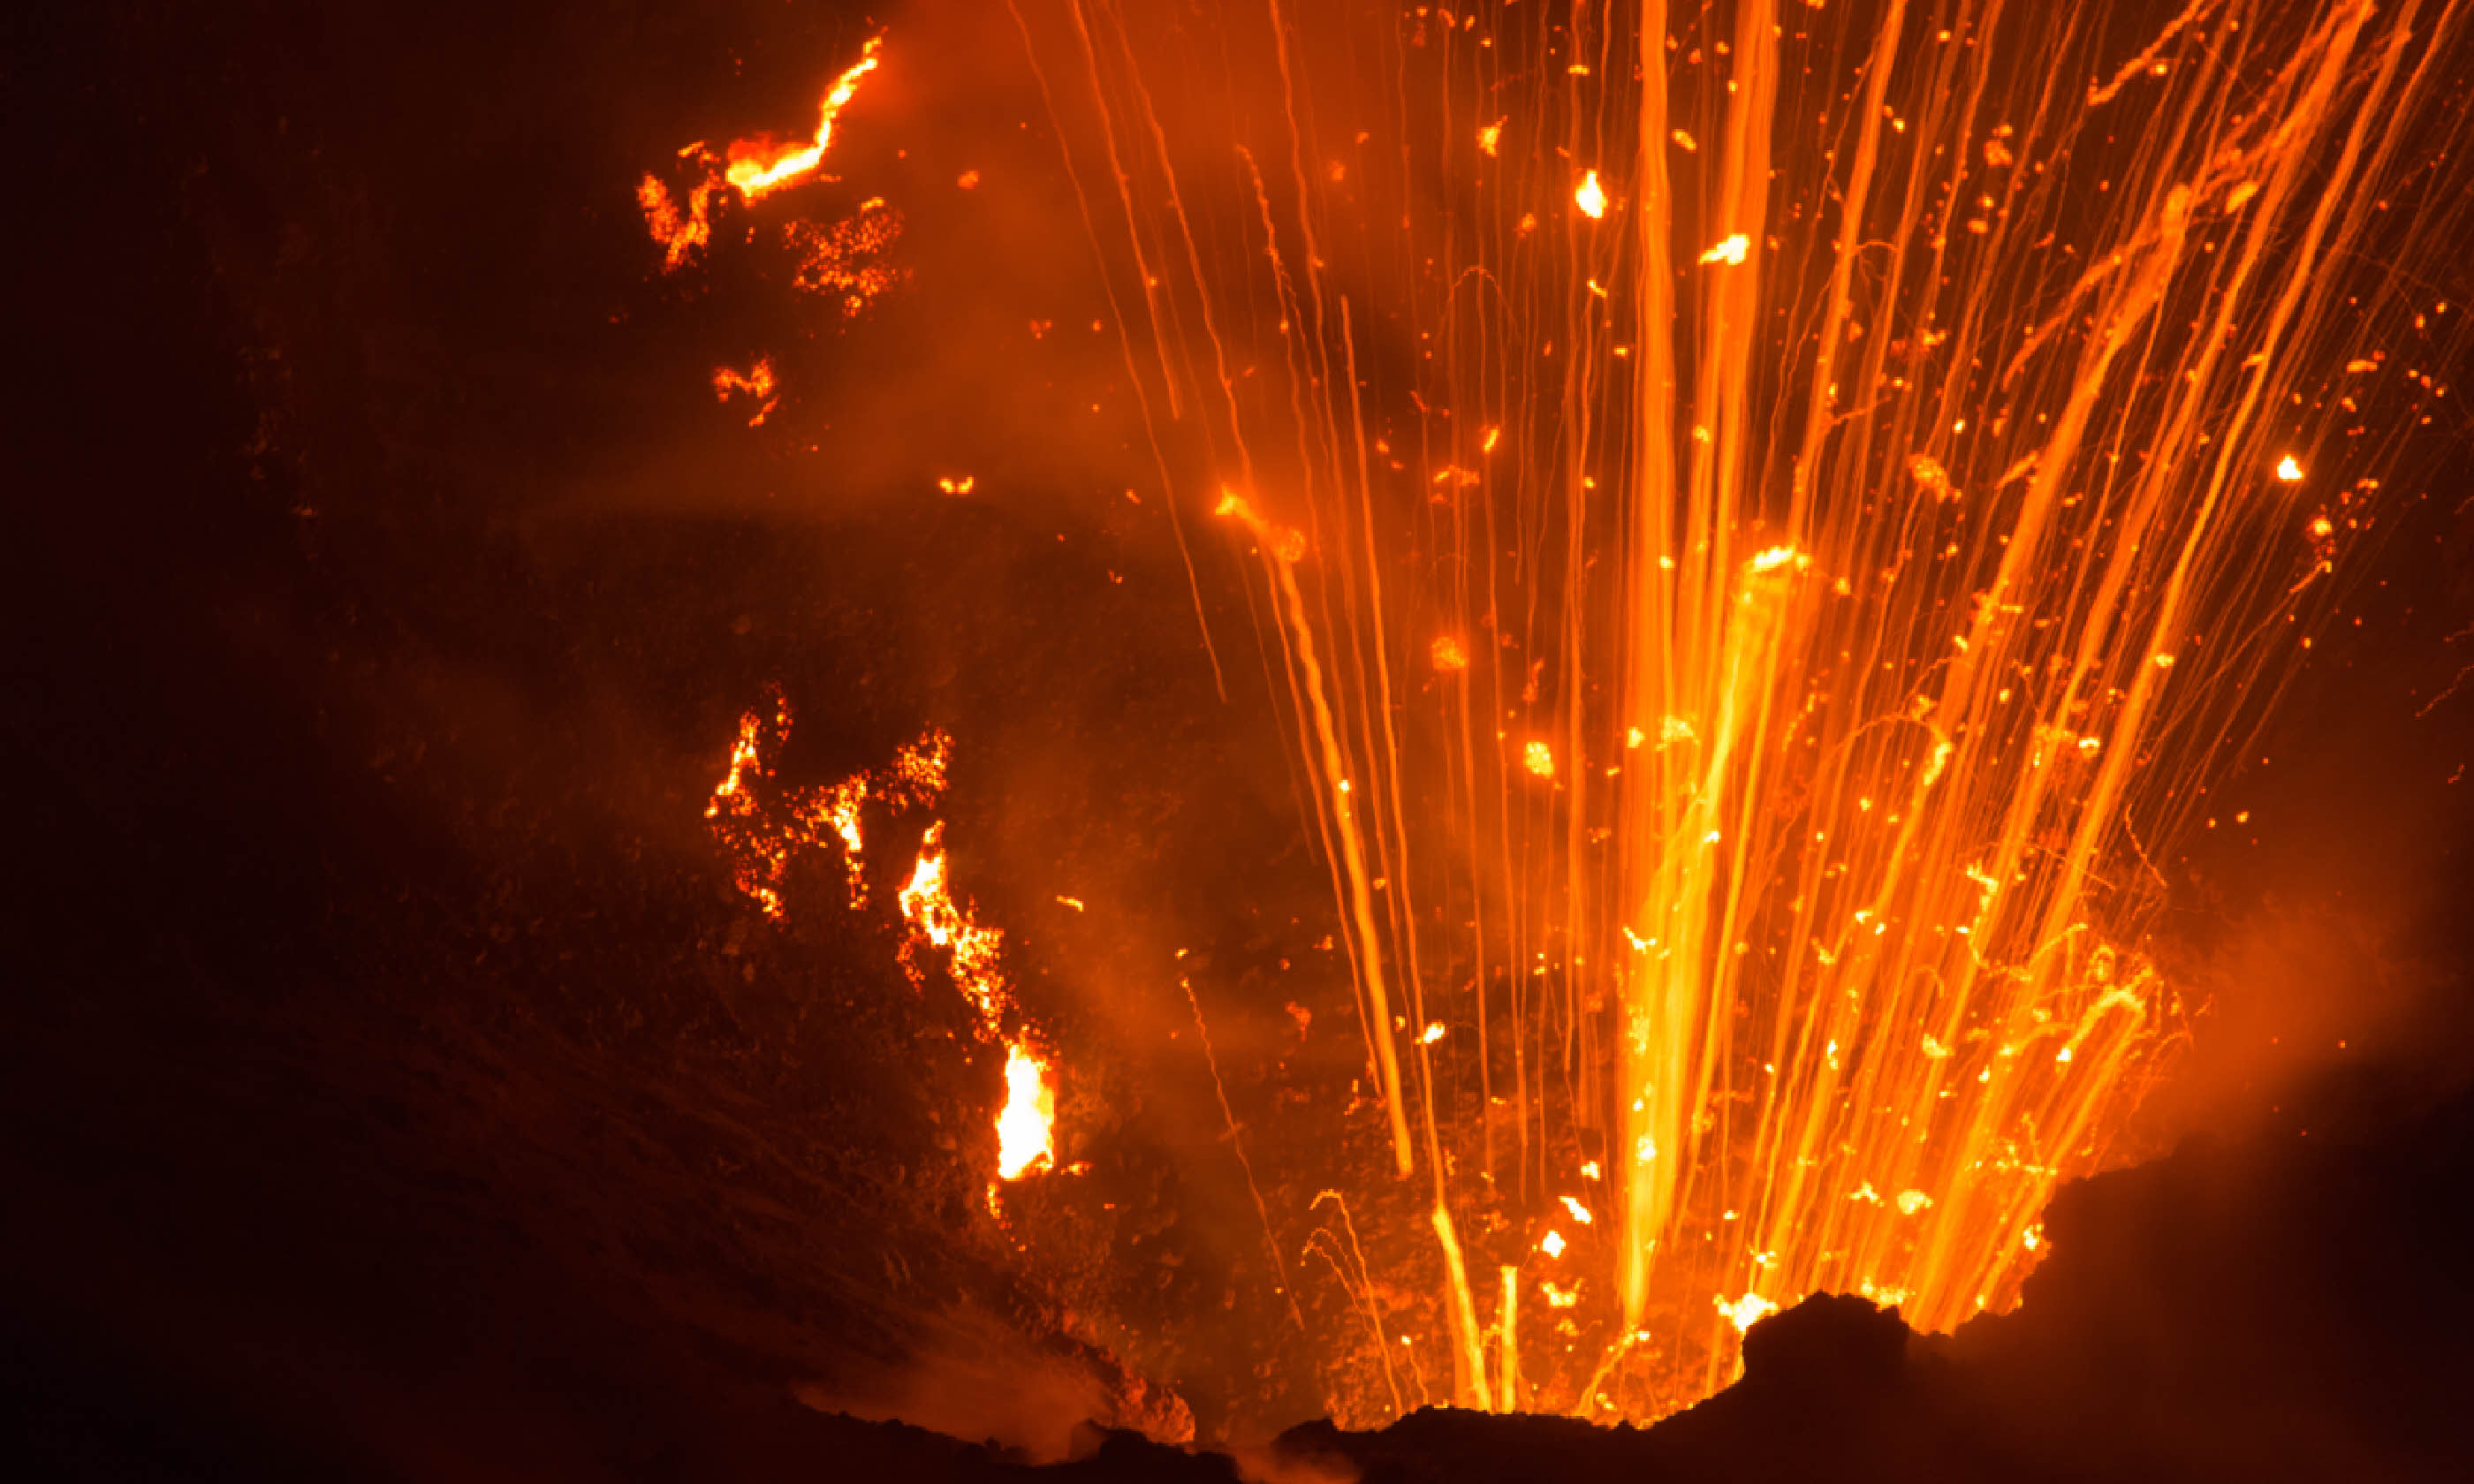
{"points": [[756, 168], [759, 166]]}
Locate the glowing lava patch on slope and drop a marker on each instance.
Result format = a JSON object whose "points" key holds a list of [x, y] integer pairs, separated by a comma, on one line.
{"points": [[764, 827], [754, 167]]}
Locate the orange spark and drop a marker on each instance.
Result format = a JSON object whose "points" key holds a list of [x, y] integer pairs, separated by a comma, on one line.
{"points": [[1931, 477]]}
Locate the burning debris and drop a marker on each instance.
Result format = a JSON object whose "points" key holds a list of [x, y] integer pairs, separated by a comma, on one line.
{"points": [[760, 166]]}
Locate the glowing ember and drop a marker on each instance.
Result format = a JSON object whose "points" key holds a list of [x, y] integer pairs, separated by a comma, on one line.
{"points": [[680, 234], [1931, 477], [1745, 1311], [1730, 251], [1590, 196], [2287, 469], [1022, 1127], [756, 384]]}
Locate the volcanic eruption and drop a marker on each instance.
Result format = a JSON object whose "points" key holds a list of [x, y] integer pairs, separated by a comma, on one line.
{"points": [[1245, 714], [1738, 693]]}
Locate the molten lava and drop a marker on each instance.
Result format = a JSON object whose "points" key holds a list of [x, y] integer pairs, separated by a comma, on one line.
{"points": [[760, 166], [767, 828], [1024, 1125], [755, 168]]}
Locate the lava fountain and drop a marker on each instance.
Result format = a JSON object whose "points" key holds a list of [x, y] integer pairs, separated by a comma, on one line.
{"points": [[1767, 520], [1764, 523]]}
